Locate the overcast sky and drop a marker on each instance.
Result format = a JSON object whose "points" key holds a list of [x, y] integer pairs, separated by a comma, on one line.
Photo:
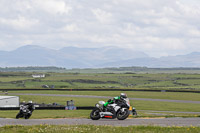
{"points": [[156, 27]]}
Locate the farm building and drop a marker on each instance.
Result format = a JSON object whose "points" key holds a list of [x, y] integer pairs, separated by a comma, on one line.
{"points": [[38, 75], [9, 101]]}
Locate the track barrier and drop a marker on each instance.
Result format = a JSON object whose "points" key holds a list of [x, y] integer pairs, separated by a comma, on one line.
{"points": [[48, 108]]}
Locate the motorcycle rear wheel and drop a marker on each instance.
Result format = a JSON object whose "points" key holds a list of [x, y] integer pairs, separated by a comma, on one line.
{"points": [[95, 114]]}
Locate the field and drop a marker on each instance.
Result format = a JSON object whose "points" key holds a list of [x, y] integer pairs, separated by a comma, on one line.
{"points": [[67, 82], [96, 129], [44, 114], [160, 81], [131, 94]]}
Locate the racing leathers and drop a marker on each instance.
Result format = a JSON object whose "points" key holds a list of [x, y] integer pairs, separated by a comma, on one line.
{"points": [[115, 100], [31, 107]]}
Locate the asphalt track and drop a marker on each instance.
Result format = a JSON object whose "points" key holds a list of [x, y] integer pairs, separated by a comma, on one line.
{"points": [[111, 122], [106, 97]]}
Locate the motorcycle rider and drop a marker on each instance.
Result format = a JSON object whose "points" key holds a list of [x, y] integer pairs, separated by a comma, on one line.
{"points": [[115, 99], [31, 106]]}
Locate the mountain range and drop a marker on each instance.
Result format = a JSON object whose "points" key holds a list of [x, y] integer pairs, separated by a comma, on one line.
{"points": [[74, 57]]}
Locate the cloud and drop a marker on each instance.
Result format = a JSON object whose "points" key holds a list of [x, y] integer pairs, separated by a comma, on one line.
{"points": [[155, 27], [52, 6], [20, 23], [102, 16], [70, 28]]}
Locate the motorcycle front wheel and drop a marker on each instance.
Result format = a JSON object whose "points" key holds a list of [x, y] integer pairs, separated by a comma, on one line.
{"points": [[18, 115], [95, 114], [26, 117], [122, 115]]}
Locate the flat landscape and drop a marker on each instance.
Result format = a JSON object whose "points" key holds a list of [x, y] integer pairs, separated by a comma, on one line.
{"points": [[109, 81], [148, 93]]}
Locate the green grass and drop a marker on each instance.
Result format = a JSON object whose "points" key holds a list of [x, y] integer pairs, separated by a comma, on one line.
{"points": [[133, 94], [96, 129], [14, 78], [44, 114], [37, 84], [190, 81], [154, 114], [166, 106], [163, 81], [160, 84], [61, 100]]}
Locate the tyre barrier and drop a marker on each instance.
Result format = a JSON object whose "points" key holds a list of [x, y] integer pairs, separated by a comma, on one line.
{"points": [[48, 108], [9, 108], [85, 108]]}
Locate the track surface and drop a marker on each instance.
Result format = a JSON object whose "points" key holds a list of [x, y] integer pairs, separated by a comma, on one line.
{"points": [[115, 122], [106, 97]]}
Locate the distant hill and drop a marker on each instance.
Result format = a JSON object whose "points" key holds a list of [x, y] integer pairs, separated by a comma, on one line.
{"points": [[111, 70], [189, 60], [32, 69], [31, 55], [73, 57], [68, 57]]}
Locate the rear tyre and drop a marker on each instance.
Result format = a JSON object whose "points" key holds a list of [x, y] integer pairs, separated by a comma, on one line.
{"points": [[95, 114], [122, 115]]}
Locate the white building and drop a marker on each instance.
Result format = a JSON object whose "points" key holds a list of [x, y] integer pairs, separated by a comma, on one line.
{"points": [[9, 101], [38, 75]]}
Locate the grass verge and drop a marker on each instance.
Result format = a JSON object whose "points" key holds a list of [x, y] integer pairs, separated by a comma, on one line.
{"points": [[96, 129], [135, 94]]}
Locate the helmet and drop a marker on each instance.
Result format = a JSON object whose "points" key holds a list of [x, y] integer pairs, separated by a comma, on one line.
{"points": [[30, 102], [123, 95]]}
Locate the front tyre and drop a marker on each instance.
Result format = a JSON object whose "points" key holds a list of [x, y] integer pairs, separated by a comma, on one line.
{"points": [[27, 116], [18, 115], [122, 115], [95, 114]]}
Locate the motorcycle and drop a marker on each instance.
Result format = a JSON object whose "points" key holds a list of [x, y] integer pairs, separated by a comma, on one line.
{"points": [[134, 112], [24, 112], [119, 110]]}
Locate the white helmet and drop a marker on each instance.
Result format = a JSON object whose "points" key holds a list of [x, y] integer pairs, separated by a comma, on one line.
{"points": [[30, 102], [123, 95]]}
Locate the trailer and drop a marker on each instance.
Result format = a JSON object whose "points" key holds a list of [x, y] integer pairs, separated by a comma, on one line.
{"points": [[9, 101]]}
